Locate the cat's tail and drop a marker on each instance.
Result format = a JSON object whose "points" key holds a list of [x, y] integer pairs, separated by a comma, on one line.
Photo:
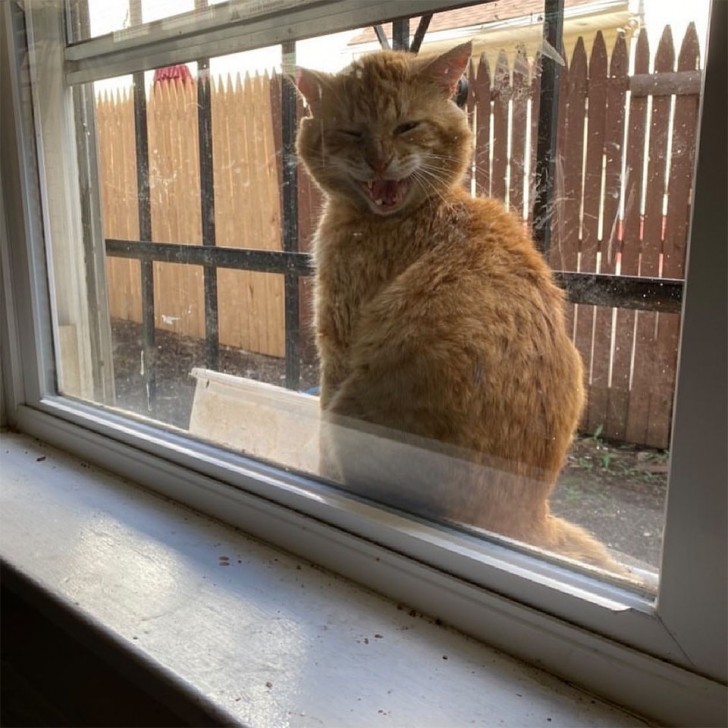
{"points": [[575, 542], [538, 527]]}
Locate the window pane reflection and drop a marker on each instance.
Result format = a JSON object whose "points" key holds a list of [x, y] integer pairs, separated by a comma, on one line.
{"points": [[209, 283]]}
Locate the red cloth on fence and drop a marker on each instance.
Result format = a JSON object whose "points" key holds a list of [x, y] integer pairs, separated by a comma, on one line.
{"points": [[172, 73]]}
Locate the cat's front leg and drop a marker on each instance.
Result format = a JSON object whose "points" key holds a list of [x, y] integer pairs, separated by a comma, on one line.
{"points": [[331, 344], [329, 465], [334, 370], [333, 373]]}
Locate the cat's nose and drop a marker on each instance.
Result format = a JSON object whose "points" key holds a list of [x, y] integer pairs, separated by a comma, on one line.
{"points": [[380, 165]]}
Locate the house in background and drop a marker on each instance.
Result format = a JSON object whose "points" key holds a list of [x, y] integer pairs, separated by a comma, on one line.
{"points": [[510, 25]]}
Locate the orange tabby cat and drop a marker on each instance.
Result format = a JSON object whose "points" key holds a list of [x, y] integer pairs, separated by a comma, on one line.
{"points": [[438, 323]]}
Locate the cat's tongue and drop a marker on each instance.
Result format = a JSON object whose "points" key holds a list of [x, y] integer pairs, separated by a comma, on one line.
{"points": [[386, 190]]}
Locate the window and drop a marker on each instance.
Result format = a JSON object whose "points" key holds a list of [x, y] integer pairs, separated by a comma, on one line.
{"points": [[176, 320]]}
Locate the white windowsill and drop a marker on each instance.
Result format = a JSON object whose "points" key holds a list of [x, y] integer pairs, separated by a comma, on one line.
{"points": [[267, 638]]}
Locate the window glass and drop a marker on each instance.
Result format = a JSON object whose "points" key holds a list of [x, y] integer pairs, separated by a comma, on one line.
{"points": [[93, 18], [450, 388]]}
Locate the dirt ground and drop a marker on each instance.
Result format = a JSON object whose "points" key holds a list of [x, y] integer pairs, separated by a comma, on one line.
{"points": [[616, 490]]}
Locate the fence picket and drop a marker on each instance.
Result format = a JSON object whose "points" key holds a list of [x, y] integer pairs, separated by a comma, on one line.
{"points": [[556, 211], [501, 94], [681, 159], [245, 223], [232, 310], [595, 131], [619, 392], [613, 151], [521, 87], [190, 300], [572, 186], [681, 163], [565, 247], [677, 221], [175, 203], [269, 223], [470, 106], [125, 195], [599, 389], [589, 337], [644, 374], [482, 128], [255, 235], [535, 102]]}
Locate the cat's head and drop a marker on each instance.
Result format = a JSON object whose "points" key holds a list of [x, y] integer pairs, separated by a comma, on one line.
{"points": [[384, 133]]}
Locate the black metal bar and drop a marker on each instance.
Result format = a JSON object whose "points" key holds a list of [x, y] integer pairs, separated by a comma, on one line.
{"points": [[145, 233], [149, 350], [290, 223], [207, 205], [263, 261], [400, 34], [422, 27], [598, 289], [644, 294], [381, 37], [207, 209], [548, 119]]}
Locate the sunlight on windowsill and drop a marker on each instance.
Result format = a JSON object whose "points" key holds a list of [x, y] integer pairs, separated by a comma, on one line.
{"points": [[281, 642]]}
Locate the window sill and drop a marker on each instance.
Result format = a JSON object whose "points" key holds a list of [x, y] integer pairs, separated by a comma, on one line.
{"points": [[253, 634]]}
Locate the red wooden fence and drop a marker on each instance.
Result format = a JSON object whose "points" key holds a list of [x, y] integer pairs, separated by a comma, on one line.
{"points": [[625, 153]]}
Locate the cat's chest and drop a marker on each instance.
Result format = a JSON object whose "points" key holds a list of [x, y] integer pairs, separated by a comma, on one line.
{"points": [[355, 265]]}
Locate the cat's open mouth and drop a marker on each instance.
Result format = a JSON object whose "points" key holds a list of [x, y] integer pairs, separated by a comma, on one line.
{"points": [[386, 195]]}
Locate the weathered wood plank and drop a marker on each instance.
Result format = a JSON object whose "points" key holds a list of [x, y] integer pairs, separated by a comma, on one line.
{"points": [[501, 94], [677, 219], [619, 392], [666, 83], [587, 338], [645, 374], [610, 235], [565, 247], [482, 92], [520, 92], [533, 149]]}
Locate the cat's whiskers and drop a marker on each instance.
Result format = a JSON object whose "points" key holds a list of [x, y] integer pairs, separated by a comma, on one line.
{"points": [[435, 173], [440, 162], [421, 176]]}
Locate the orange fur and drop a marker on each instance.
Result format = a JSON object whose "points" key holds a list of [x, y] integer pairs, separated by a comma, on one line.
{"points": [[438, 321]]}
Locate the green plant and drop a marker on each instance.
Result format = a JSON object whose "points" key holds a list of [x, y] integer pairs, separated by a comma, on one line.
{"points": [[597, 434], [607, 458]]}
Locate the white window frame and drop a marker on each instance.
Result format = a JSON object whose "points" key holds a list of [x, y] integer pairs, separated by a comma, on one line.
{"points": [[665, 659]]}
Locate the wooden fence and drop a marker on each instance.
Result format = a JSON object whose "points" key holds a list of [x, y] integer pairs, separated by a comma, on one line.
{"points": [[623, 183], [247, 210], [625, 157]]}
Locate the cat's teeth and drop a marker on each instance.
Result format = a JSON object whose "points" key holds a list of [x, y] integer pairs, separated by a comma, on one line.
{"points": [[378, 202]]}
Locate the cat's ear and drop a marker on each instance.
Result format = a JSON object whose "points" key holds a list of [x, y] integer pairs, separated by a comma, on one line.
{"points": [[445, 70], [310, 85]]}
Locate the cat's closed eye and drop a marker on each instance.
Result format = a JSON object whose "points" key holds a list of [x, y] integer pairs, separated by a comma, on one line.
{"points": [[406, 126], [350, 133]]}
